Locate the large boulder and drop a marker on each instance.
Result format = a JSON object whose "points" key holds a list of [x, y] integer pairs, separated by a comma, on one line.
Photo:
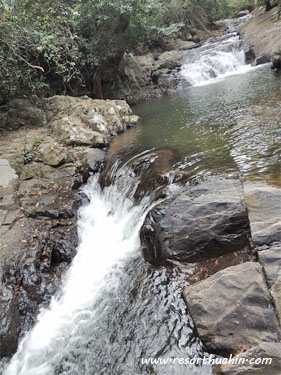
{"points": [[232, 309], [266, 358], [107, 117], [264, 205], [72, 132], [262, 33], [203, 221]]}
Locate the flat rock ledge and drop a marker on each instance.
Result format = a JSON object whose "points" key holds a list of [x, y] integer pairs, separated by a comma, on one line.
{"points": [[232, 310], [58, 144]]}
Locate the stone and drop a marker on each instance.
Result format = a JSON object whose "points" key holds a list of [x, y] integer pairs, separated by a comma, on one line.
{"points": [[51, 153], [263, 59], [203, 221], [266, 350], [60, 243], [8, 176], [264, 43], [72, 132], [233, 309], [9, 322], [34, 170], [131, 120], [88, 159], [276, 61], [263, 202], [243, 13], [270, 259], [250, 54]]}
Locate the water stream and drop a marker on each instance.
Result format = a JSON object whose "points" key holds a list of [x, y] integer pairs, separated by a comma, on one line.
{"points": [[113, 308]]}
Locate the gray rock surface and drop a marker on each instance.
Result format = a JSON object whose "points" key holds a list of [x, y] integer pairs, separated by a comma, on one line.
{"points": [[262, 33], [233, 309], [72, 132], [264, 205], [51, 153], [270, 259], [266, 350], [203, 221], [87, 159], [8, 175]]}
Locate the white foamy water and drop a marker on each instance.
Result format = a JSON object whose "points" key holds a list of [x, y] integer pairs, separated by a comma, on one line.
{"points": [[109, 234], [215, 60]]}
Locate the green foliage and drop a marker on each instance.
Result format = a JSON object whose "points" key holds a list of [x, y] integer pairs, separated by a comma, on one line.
{"points": [[37, 143], [63, 46], [27, 157]]}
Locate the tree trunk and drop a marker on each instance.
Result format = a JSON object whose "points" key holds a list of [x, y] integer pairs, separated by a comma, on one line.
{"points": [[268, 5], [97, 85]]}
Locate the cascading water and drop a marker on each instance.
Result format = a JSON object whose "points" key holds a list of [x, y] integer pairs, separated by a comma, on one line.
{"points": [[109, 234], [112, 308], [215, 60]]}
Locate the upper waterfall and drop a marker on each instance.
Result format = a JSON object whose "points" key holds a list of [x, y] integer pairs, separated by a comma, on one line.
{"points": [[215, 59]]}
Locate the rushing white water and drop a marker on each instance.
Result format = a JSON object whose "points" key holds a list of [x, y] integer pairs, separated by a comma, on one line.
{"points": [[215, 60], [109, 234]]}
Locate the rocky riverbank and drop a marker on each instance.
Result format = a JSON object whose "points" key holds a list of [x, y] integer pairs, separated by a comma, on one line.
{"points": [[262, 37], [231, 230], [47, 151]]}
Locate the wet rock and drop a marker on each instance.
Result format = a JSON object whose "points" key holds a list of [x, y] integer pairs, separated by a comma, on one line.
{"points": [[263, 59], [51, 153], [263, 202], [250, 54], [60, 244], [9, 322], [270, 259], [233, 309], [266, 350], [276, 61], [150, 171], [203, 221]]}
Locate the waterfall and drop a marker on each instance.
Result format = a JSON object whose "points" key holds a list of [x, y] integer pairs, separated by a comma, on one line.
{"points": [[214, 60], [109, 234]]}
